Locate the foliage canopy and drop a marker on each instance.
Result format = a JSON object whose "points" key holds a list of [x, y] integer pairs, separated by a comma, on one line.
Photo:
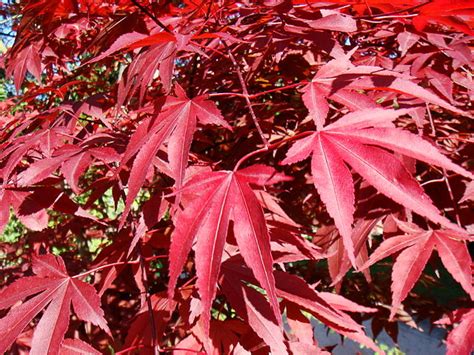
{"points": [[214, 176]]}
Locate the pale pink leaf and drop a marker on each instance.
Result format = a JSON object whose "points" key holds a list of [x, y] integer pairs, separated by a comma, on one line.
{"points": [[461, 338], [253, 307], [51, 328], [386, 173], [407, 144]]}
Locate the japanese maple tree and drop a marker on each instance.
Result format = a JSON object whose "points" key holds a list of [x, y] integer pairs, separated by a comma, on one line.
{"points": [[219, 176]]}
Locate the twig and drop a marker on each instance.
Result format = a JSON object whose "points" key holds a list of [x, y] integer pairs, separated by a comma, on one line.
{"points": [[271, 147], [192, 74], [368, 8], [432, 181], [150, 15], [132, 262], [246, 95], [208, 12], [154, 339], [7, 34], [445, 175], [451, 196], [394, 12], [128, 350], [217, 94], [253, 96], [433, 129], [141, 346]]}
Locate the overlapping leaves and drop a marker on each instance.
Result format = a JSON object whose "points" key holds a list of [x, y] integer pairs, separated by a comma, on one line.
{"points": [[221, 197], [75, 114], [363, 140], [55, 291]]}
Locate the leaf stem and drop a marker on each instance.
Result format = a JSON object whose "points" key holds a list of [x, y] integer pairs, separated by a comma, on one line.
{"points": [[271, 147], [141, 346], [132, 262], [253, 96]]}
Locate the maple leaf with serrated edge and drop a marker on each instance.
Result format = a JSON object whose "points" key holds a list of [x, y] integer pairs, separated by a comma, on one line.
{"points": [[339, 80], [460, 340], [37, 220], [339, 263], [328, 308], [77, 347], [452, 12], [220, 197], [27, 59], [253, 308], [176, 123], [300, 325], [55, 291], [416, 247], [363, 140], [321, 87]]}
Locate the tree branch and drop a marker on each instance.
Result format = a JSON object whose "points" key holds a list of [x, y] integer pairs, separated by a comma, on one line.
{"points": [[144, 277], [150, 15], [246, 95]]}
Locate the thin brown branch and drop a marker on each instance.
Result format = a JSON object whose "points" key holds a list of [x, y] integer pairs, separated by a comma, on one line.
{"points": [[262, 93], [150, 15], [445, 175], [144, 277], [246, 95], [393, 12]]}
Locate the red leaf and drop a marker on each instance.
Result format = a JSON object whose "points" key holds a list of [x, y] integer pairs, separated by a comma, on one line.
{"points": [[140, 331], [74, 167], [316, 102], [300, 324], [335, 21], [253, 308], [343, 304], [461, 338], [297, 291], [417, 246], [351, 140], [55, 291], [406, 40], [333, 180], [407, 269], [124, 41], [456, 258], [27, 59], [221, 197], [177, 123], [77, 347]]}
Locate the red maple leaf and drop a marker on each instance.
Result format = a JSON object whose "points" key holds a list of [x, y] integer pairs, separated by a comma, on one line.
{"points": [[416, 247], [250, 304], [361, 139], [176, 123], [55, 291], [220, 197]]}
